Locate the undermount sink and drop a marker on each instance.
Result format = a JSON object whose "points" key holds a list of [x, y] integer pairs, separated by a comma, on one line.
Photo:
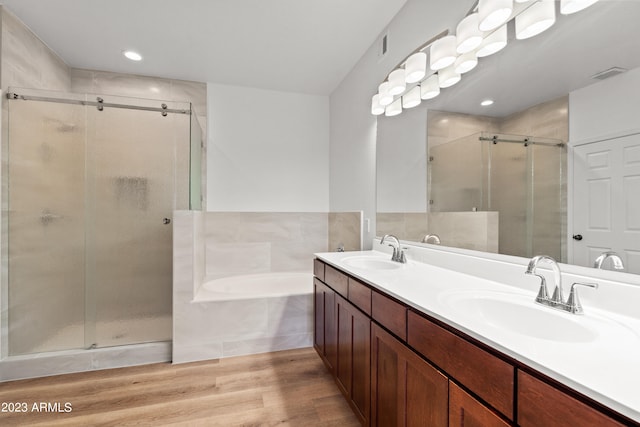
{"points": [[371, 263], [520, 315]]}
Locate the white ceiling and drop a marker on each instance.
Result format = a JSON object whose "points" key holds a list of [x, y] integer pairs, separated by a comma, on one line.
{"points": [[305, 46]]}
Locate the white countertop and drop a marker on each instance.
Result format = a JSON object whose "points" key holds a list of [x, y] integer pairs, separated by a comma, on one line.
{"points": [[601, 360]]}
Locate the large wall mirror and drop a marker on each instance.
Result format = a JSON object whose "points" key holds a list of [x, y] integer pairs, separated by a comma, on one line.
{"points": [[497, 178]]}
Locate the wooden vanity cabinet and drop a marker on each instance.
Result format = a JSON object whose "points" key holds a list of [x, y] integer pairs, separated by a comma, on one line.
{"points": [[354, 357], [405, 389], [489, 377], [324, 324], [466, 411], [541, 404], [399, 367]]}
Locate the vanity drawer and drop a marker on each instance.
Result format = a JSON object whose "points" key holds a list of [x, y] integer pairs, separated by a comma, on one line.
{"points": [[318, 269], [337, 280], [491, 378], [390, 314], [360, 295]]}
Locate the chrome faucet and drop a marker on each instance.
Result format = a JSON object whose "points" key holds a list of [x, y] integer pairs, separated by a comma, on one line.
{"points": [[615, 260], [543, 293], [572, 304], [398, 252], [435, 239]]}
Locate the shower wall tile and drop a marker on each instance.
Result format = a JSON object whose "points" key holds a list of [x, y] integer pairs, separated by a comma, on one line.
{"points": [[136, 86], [469, 230], [546, 120], [404, 225], [345, 229], [443, 126], [27, 61]]}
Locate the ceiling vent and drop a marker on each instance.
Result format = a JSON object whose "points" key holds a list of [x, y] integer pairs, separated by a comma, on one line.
{"points": [[613, 71]]}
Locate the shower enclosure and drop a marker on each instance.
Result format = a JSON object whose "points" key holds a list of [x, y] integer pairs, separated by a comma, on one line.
{"points": [[90, 183], [520, 177]]}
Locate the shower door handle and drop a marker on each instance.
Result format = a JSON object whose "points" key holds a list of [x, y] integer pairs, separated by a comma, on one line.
{"points": [[166, 221]]}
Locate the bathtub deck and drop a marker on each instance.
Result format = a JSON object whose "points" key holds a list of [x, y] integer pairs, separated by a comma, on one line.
{"points": [[283, 388]]}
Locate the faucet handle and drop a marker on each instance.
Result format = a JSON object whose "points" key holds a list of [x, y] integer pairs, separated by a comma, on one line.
{"points": [[394, 256], [401, 255], [543, 293], [573, 302]]}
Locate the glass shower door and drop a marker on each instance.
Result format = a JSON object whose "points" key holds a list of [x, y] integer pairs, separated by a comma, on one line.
{"points": [[46, 219], [132, 164]]}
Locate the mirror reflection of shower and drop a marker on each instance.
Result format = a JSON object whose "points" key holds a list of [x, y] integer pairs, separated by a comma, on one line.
{"points": [[91, 182], [519, 177]]}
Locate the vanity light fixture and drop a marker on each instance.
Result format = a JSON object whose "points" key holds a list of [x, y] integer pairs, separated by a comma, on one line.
{"points": [[397, 83], [132, 55], [394, 108], [482, 32], [535, 19], [412, 98], [487, 102], [416, 67], [448, 77], [493, 13], [442, 53], [465, 63], [493, 43], [385, 97], [468, 35], [430, 88], [568, 7], [376, 108]]}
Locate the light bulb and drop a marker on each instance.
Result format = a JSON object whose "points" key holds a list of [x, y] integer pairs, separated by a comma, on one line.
{"points": [[416, 67]]}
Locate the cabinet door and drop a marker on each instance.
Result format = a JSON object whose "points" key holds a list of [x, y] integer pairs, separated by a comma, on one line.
{"points": [[354, 357], [324, 337], [465, 411], [540, 404], [405, 389]]}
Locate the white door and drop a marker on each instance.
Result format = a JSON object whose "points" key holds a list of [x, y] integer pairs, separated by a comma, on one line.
{"points": [[606, 200]]}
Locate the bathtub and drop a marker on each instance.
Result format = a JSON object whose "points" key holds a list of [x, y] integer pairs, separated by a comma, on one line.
{"points": [[246, 314], [253, 286]]}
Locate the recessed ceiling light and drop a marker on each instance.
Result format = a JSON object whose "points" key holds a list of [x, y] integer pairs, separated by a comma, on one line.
{"points": [[134, 56], [486, 102]]}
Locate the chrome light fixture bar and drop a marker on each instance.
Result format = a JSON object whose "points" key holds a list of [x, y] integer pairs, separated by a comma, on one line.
{"points": [[482, 32]]}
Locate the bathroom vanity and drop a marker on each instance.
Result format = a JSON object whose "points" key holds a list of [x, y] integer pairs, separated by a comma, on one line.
{"points": [[413, 344]]}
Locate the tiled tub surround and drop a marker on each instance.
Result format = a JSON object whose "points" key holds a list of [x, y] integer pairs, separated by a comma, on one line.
{"points": [[219, 255], [605, 370]]}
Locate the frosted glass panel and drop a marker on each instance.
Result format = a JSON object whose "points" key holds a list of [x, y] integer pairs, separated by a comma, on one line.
{"points": [[132, 177], [458, 175], [509, 195], [46, 226]]}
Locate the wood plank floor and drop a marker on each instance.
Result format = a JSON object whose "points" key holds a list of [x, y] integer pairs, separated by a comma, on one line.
{"points": [[287, 388]]}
